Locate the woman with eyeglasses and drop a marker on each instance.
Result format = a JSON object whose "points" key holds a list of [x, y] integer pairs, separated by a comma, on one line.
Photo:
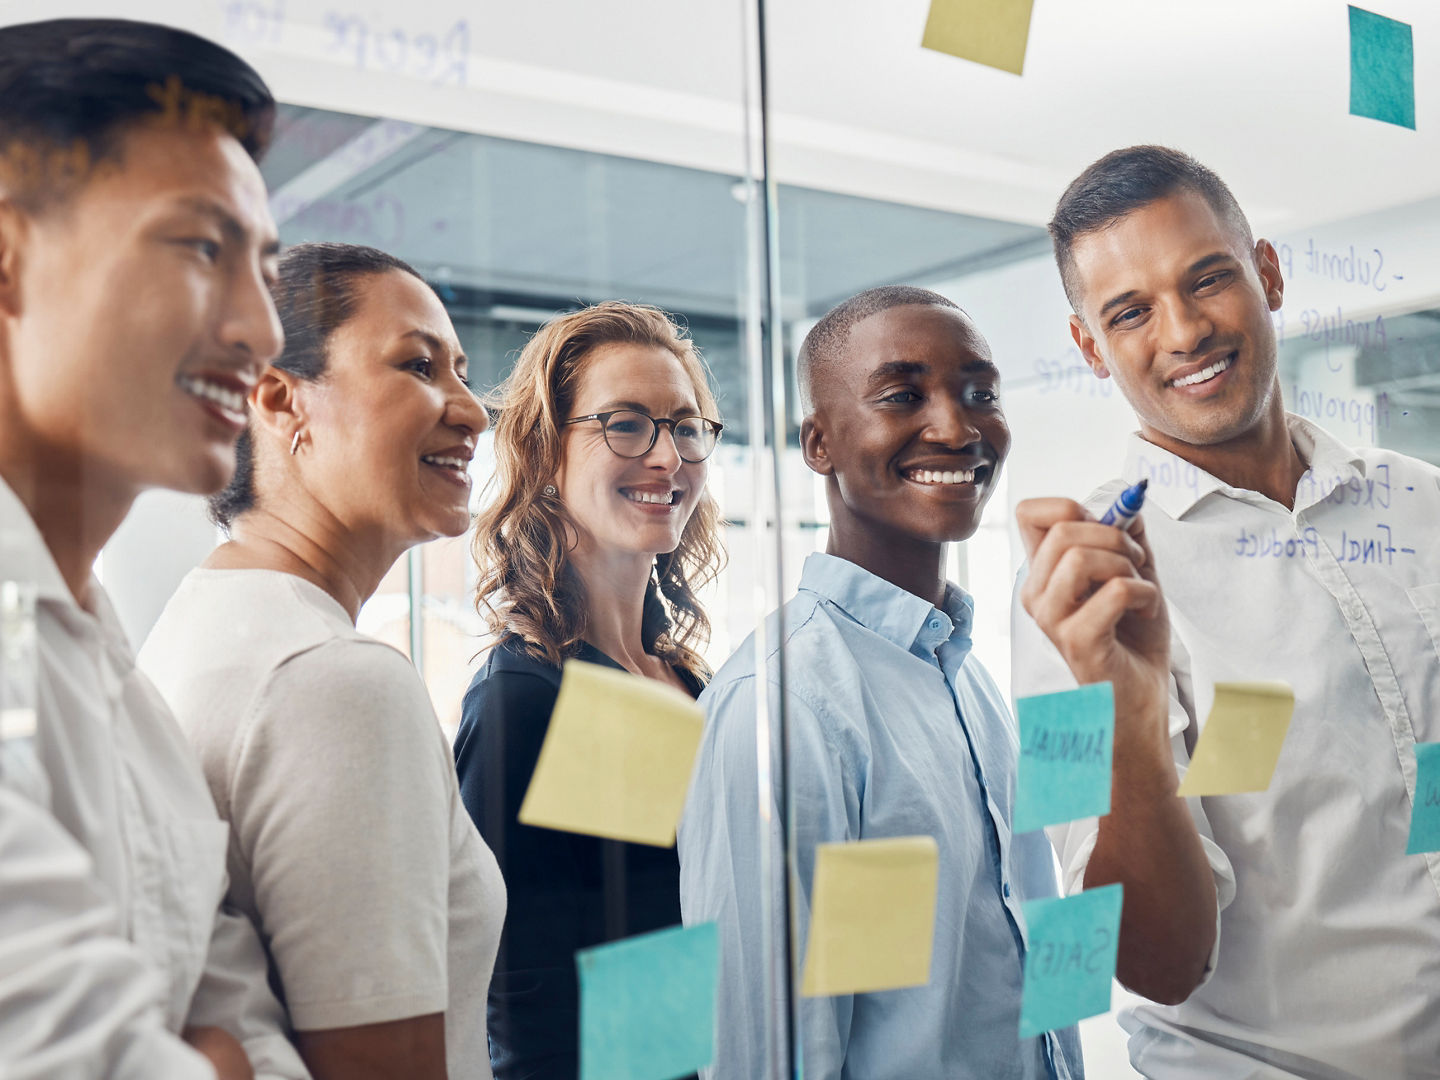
{"points": [[597, 535]]}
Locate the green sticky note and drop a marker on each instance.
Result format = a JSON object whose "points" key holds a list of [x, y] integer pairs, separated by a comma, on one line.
{"points": [[1070, 959], [1066, 745], [647, 1005], [1382, 68], [990, 32], [1425, 816]]}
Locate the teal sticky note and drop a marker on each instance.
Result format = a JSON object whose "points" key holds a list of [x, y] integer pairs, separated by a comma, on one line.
{"points": [[1382, 68], [647, 1005], [1070, 959], [1066, 746], [1425, 816]]}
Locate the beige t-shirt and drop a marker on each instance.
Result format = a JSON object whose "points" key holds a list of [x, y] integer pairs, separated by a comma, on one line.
{"points": [[350, 849]]}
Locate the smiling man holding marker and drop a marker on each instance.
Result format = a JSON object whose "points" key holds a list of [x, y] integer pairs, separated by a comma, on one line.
{"points": [[896, 730], [1327, 962]]}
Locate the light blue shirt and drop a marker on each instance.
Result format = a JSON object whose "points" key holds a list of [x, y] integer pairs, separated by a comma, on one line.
{"points": [[895, 730]]}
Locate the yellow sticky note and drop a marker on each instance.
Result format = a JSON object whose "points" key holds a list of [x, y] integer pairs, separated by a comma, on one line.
{"points": [[872, 916], [989, 32], [616, 758], [1241, 742]]}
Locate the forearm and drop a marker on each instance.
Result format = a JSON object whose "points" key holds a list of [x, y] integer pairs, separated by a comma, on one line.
{"points": [[1149, 843]]}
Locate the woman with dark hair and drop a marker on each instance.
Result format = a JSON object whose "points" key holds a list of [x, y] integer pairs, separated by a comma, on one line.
{"points": [[598, 535], [379, 905]]}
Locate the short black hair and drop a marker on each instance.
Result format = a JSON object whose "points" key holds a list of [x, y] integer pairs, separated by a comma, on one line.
{"points": [[827, 337], [1123, 181], [316, 292], [70, 87]]}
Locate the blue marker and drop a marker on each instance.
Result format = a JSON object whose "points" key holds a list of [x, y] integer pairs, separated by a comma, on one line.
{"points": [[1126, 505]]}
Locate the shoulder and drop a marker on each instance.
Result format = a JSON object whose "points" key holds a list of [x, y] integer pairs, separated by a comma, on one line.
{"points": [[510, 682], [356, 682]]}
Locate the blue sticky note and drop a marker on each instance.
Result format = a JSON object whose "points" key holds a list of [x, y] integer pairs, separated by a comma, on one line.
{"points": [[1382, 68], [647, 1005], [1066, 745], [1425, 817], [1070, 959]]}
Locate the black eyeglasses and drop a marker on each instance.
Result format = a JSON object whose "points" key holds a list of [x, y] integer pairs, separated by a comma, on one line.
{"points": [[632, 434]]}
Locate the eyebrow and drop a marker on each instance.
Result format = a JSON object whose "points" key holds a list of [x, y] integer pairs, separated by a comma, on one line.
{"points": [[434, 344], [635, 406], [228, 223], [1196, 267], [893, 369]]}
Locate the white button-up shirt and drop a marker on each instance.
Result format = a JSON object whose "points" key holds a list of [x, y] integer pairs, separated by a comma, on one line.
{"points": [[1328, 963], [108, 764]]}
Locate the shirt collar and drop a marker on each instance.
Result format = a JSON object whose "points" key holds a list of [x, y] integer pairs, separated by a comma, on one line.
{"points": [[1177, 485], [888, 610]]}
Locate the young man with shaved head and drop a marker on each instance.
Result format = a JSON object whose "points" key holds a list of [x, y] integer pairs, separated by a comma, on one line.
{"points": [[135, 248], [1327, 960], [895, 727]]}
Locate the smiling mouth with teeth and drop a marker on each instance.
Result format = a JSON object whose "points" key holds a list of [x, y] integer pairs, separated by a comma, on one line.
{"points": [[457, 464], [229, 401], [942, 476], [657, 498], [1206, 374]]}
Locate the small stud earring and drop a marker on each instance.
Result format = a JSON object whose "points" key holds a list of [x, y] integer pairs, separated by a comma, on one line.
{"points": [[551, 490], [295, 444]]}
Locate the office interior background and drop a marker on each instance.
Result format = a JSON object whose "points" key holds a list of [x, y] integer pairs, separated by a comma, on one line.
{"points": [[528, 158]]}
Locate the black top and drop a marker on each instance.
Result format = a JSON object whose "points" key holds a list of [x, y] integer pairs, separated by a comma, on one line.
{"points": [[566, 891]]}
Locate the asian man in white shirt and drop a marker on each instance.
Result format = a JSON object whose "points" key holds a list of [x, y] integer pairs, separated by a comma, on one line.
{"points": [[135, 247]]}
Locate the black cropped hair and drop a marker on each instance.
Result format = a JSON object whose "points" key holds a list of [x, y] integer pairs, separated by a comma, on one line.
{"points": [[1122, 182], [316, 292], [70, 87], [827, 337]]}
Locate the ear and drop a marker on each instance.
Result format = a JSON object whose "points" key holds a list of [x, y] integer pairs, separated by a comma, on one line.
{"points": [[812, 445], [1267, 262], [14, 230], [274, 406], [1085, 342]]}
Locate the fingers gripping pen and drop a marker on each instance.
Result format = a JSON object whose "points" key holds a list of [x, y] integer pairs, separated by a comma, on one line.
{"points": [[1126, 506]]}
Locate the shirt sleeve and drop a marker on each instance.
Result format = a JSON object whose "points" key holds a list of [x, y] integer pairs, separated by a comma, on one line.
{"points": [[1038, 668], [551, 877], [79, 1000], [234, 994], [337, 803], [720, 841]]}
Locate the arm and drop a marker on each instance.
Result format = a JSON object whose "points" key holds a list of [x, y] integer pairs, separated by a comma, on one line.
{"points": [[720, 839], [1092, 589], [338, 807], [78, 999]]}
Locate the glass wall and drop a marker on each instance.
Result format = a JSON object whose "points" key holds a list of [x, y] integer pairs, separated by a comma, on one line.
{"points": [[529, 159]]}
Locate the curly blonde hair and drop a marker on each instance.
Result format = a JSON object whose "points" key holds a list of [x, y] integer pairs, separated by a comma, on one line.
{"points": [[527, 588]]}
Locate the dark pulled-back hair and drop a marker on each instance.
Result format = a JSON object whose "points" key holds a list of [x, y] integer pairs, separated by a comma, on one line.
{"points": [[70, 87], [827, 337], [1122, 182], [316, 292]]}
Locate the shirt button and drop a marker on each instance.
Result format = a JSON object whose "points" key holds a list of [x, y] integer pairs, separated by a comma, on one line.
{"points": [[934, 624], [1007, 890]]}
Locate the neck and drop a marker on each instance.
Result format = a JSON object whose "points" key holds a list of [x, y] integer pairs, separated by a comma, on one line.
{"points": [[75, 509], [1263, 459], [615, 604], [312, 545], [917, 566]]}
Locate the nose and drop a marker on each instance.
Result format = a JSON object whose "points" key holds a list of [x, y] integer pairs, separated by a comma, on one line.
{"points": [[949, 422], [250, 324], [665, 454], [1183, 326], [464, 410]]}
